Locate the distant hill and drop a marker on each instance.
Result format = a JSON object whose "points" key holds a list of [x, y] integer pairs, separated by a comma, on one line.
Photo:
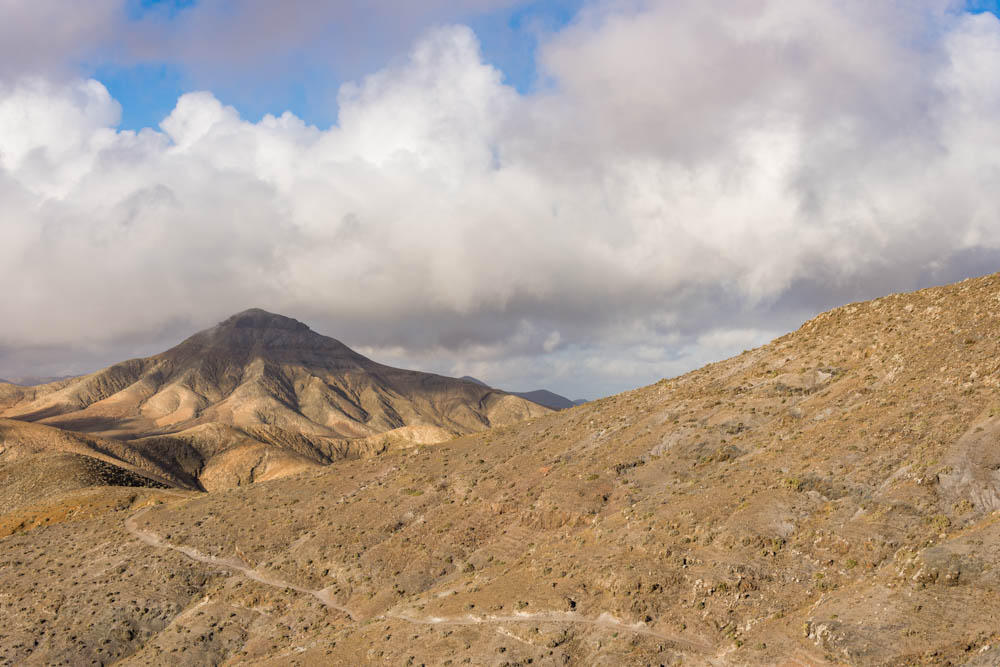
{"points": [[31, 380], [258, 396], [547, 398], [540, 396]]}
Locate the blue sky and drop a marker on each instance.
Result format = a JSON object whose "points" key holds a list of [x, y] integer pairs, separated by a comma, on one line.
{"points": [[148, 90], [992, 6]]}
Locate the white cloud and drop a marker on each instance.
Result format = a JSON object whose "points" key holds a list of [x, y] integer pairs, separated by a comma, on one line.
{"points": [[691, 178], [552, 341]]}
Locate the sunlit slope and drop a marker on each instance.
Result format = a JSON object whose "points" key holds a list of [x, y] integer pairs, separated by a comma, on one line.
{"points": [[829, 495], [828, 498]]}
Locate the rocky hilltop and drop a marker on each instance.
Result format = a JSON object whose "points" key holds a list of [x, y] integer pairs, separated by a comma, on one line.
{"points": [[829, 498], [261, 395]]}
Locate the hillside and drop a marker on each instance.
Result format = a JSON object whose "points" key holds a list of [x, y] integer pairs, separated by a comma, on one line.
{"points": [[828, 498], [259, 396], [38, 462]]}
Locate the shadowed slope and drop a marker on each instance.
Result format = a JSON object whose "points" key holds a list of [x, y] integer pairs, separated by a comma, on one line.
{"points": [[49, 475]]}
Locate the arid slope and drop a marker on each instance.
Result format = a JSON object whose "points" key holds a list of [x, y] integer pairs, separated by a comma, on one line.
{"points": [[829, 498]]}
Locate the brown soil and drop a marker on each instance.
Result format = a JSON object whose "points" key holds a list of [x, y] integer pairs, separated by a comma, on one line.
{"points": [[829, 498]]}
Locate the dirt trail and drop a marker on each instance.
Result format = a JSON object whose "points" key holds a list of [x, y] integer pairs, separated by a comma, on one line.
{"points": [[605, 620], [153, 540]]}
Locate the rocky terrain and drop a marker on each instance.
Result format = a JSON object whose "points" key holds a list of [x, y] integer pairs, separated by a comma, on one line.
{"points": [[257, 397], [832, 497]]}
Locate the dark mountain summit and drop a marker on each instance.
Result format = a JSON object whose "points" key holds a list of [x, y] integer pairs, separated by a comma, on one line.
{"points": [[257, 333], [257, 318]]}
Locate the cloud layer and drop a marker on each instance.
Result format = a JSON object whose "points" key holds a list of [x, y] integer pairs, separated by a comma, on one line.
{"points": [[692, 180]]}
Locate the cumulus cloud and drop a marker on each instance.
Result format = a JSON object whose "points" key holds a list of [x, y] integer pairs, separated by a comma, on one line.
{"points": [[692, 179]]}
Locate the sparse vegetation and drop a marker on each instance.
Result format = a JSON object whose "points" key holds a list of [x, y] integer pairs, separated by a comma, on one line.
{"points": [[831, 482]]}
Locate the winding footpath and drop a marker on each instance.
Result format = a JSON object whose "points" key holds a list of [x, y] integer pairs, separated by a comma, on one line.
{"points": [[153, 540], [605, 620]]}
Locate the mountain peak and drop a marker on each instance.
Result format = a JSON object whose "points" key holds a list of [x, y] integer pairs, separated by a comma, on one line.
{"points": [[256, 318], [257, 329]]}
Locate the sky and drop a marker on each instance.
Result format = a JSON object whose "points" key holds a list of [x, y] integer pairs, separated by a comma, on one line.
{"points": [[580, 195]]}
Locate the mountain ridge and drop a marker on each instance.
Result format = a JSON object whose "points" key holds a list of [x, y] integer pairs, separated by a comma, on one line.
{"points": [[273, 380], [34, 380]]}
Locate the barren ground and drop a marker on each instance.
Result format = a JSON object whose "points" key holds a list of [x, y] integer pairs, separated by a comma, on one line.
{"points": [[829, 498]]}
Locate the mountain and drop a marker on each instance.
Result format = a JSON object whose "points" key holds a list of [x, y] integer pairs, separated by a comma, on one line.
{"points": [[829, 498], [32, 380], [261, 395], [540, 396], [469, 378], [547, 398]]}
